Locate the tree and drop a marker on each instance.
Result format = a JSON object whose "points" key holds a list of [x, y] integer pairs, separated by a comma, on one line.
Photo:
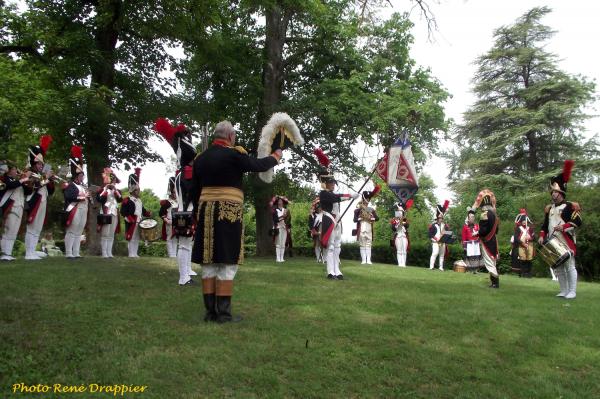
{"points": [[527, 118], [102, 60], [341, 83]]}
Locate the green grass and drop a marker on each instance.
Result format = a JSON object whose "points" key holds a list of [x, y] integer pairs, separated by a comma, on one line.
{"points": [[383, 332]]}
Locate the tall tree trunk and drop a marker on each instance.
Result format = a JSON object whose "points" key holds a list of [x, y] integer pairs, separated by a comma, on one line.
{"points": [[97, 129], [276, 24], [532, 159]]}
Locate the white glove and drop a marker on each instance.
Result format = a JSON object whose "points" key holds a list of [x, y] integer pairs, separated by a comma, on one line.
{"points": [[355, 195]]}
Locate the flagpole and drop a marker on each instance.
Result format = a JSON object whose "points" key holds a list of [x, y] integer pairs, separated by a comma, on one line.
{"points": [[360, 189]]}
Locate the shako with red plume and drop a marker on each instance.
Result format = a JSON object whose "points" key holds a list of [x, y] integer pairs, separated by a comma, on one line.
{"points": [[559, 182]]}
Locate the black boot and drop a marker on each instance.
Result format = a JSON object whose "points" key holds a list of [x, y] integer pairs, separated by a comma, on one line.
{"points": [[210, 305], [495, 282], [224, 311]]}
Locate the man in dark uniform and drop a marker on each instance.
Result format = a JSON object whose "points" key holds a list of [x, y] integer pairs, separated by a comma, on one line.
{"points": [[219, 238], [488, 228], [561, 219]]}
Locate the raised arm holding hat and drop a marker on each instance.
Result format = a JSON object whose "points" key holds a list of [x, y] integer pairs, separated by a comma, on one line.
{"points": [[219, 238]]}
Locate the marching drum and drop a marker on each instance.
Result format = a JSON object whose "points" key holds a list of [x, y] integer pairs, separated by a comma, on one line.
{"points": [[448, 238], [555, 252], [149, 229]]}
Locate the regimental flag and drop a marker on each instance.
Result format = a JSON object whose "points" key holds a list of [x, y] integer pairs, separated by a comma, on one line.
{"points": [[397, 169]]}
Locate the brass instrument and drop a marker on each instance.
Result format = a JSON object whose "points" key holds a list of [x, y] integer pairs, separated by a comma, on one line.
{"points": [[365, 215]]}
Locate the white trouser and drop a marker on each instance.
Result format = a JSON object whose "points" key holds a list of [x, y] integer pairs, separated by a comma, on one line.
{"points": [[401, 245], [75, 230], [334, 248], [12, 222], [220, 271], [33, 231], [365, 240], [184, 259], [437, 249], [107, 237], [134, 243], [171, 242], [489, 262], [319, 253], [280, 241], [567, 279]]}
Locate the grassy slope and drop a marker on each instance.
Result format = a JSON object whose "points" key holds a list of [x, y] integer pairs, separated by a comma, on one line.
{"points": [[383, 332]]}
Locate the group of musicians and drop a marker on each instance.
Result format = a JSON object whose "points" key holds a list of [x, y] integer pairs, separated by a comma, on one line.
{"points": [[27, 193]]}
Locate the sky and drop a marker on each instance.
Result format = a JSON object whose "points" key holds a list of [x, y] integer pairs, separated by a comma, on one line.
{"points": [[464, 32]]}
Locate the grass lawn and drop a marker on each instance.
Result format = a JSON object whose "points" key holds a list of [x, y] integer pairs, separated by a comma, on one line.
{"points": [[382, 332]]}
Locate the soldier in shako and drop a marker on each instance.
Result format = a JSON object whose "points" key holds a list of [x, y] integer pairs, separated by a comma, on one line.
{"points": [[399, 225], [437, 232], [108, 217], [365, 217], [331, 226], [13, 190], [43, 187], [133, 211], [165, 212], [77, 197], [561, 220], [522, 244], [180, 139], [282, 224]]}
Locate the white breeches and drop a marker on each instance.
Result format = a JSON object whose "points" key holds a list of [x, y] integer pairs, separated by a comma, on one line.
{"points": [[401, 246], [184, 258], [75, 230], [134, 243], [220, 271], [12, 222], [437, 249], [333, 251], [107, 237], [281, 238]]}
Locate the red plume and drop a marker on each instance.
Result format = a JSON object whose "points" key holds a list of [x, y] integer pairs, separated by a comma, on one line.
{"points": [[181, 127], [164, 128], [138, 171], [522, 211], [567, 169], [45, 141], [446, 203], [76, 152], [409, 204], [323, 160], [375, 191]]}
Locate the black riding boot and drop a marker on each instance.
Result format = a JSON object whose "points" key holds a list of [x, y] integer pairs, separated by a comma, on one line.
{"points": [[495, 282], [224, 310], [210, 305]]}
